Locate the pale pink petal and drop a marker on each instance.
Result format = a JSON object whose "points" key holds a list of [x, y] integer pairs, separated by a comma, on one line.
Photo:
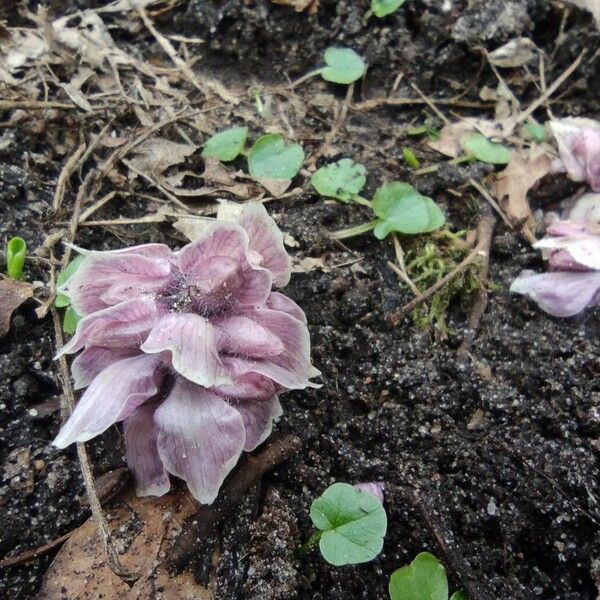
{"points": [[258, 417], [572, 246], [124, 325], [156, 251], [578, 142], [249, 386], [141, 451], [112, 396], [278, 301], [375, 488], [243, 335], [93, 360], [560, 294], [108, 278], [292, 368], [217, 269], [586, 209], [266, 240], [191, 341], [200, 438]]}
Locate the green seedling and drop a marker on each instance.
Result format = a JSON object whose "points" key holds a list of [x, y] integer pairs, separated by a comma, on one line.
{"points": [[342, 180], [71, 318], [16, 252], [429, 129], [351, 525], [409, 157], [478, 146], [271, 158], [536, 132], [423, 579], [227, 144], [342, 65], [383, 8]]}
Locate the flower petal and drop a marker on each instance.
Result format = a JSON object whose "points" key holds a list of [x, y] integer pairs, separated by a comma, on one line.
{"points": [[112, 396], [124, 325], [108, 278], [258, 417], [586, 209], [277, 301], [579, 146], [200, 438], [571, 246], [94, 360], [191, 340], [266, 240], [375, 488], [249, 386], [560, 294], [242, 335], [217, 266], [292, 368], [141, 451]]}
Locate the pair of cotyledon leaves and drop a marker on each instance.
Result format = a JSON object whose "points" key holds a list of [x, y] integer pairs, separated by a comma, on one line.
{"points": [[269, 157], [398, 206]]}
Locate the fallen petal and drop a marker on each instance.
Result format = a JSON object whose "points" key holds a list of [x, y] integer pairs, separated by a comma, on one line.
{"points": [[571, 247], [560, 294], [141, 451], [112, 396], [200, 438]]}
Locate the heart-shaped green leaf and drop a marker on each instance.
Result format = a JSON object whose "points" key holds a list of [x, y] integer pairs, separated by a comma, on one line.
{"points": [[226, 145], [342, 180], [343, 66], [424, 579], [70, 321], [482, 149], [382, 8], [401, 208], [353, 524], [270, 158]]}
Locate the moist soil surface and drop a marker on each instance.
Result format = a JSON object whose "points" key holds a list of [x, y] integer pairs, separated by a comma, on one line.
{"points": [[490, 463]]}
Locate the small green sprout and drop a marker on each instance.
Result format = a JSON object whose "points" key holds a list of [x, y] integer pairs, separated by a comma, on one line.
{"points": [[478, 146], [342, 180], [227, 144], [342, 65], [16, 251], [402, 209], [430, 129], [536, 132], [71, 318], [271, 158], [423, 579], [383, 8], [411, 160], [351, 523]]}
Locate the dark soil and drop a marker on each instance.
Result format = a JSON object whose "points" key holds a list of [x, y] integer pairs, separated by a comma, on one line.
{"points": [[502, 453]]}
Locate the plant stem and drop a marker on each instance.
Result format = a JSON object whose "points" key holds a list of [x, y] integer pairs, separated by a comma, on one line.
{"points": [[360, 200], [309, 544], [455, 161], [367, 15], [346, 233], [305, 77]]}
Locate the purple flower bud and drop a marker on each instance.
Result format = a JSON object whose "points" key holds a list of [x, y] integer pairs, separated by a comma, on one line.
{"points": [[189, 349]]}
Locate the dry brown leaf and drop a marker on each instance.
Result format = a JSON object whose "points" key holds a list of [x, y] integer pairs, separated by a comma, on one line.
{"points": [[156, 155], [512, 185], [300, 5], [451, 135], [223, 178], [275, 187], [12, 294], [143, 528], [308, 264]]}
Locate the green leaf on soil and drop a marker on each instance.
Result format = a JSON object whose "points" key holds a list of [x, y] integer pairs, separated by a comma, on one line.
{"points": [[70, 321], [382, 8], [460, 595], [411, 160], [62, 300], [353, 524], [536, 132], [423, 579], [16, 251], [227, 144], [343, 66], [482, 149], [342, 180], [402, 209], [270, 158]]}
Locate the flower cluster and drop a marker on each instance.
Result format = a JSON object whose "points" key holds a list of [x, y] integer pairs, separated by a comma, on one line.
{"points": [[190, 349]]}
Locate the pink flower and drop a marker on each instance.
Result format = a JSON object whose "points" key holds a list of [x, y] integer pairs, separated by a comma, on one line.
{"points": [[375, 488], [578, 142], [572, 249], [190, 349]]}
